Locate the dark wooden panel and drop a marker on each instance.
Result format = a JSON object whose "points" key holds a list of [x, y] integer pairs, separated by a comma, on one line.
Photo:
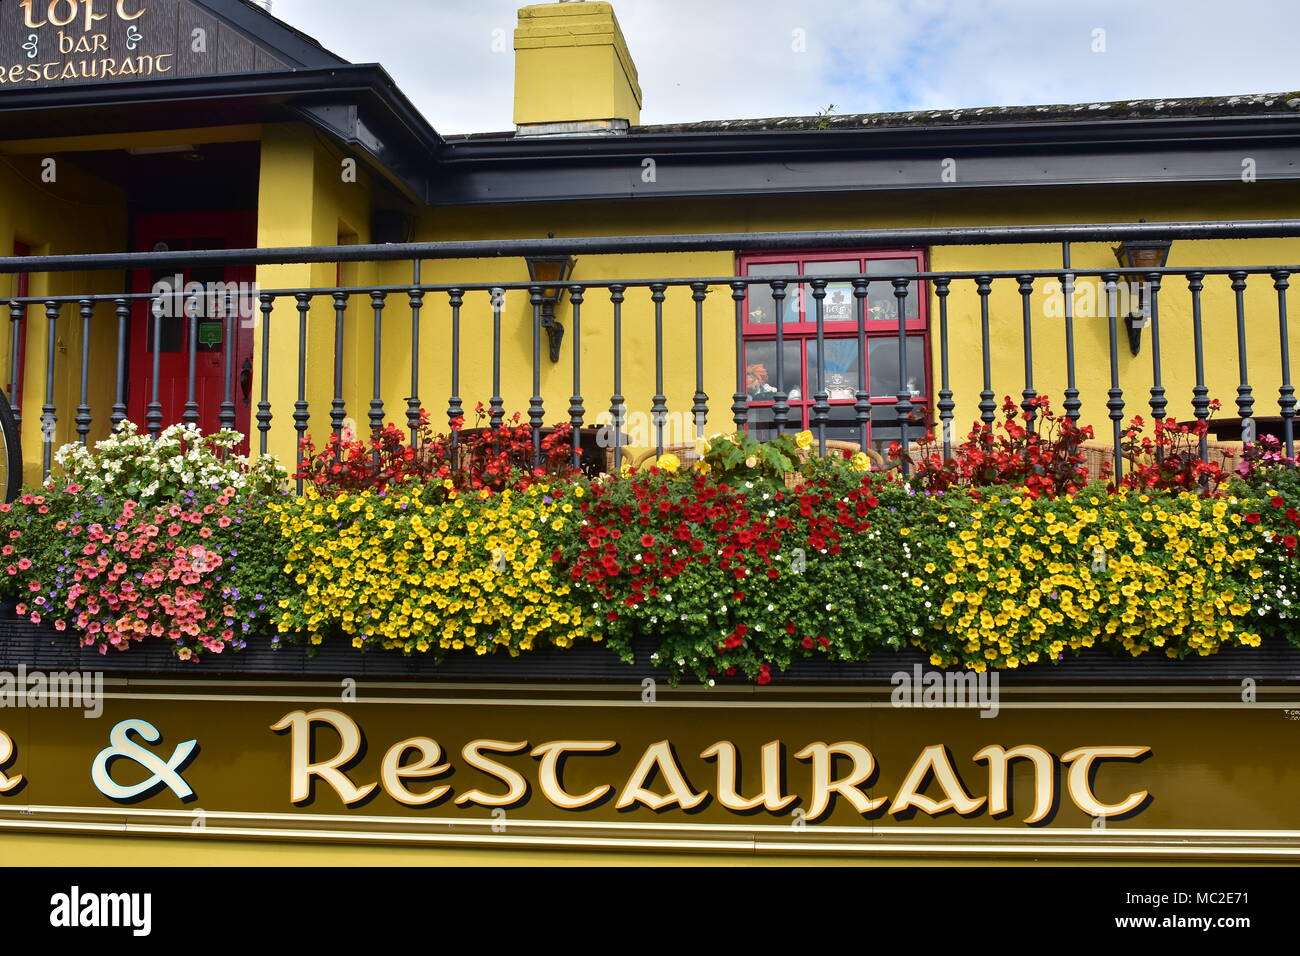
{"points": [[193, 63], [134, 40]]}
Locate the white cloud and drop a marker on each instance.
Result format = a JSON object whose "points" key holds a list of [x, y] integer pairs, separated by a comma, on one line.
{"points": [[727, 59]]}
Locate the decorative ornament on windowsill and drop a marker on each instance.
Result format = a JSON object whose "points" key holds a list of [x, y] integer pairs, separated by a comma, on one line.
{"points": [[1140, 254]]}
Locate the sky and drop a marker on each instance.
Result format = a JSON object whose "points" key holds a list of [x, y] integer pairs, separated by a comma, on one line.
{"points": [[734, 59]]}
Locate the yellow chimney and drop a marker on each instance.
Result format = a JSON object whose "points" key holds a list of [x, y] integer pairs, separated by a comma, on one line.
{"points": [[573, 71]]}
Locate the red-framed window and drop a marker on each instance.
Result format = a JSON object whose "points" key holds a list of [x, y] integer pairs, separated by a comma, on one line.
{"points": [[22, 287], [840, 333]]}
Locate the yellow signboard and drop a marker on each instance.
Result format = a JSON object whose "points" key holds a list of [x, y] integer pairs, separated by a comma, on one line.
{"points": [[1189, 772]]}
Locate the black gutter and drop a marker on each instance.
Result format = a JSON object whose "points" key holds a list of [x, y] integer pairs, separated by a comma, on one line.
{"points": [[614, 245]]}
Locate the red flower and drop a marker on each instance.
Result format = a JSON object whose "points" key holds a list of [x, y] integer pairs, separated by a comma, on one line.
{"points": [[807, 643], [789, 627], [647, 540], [1289, 542], [1278, 502], [1253, 518]]}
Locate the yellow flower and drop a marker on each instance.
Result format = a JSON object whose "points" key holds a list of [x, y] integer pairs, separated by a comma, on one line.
{"points": [[804, 439], [669, 463]]}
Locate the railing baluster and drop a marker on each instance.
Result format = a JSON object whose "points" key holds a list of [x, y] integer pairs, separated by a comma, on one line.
{"points": [[153, 416], [780, 401], [536, 409], [700, 401], [987, 406], [1028, 394], [946, 404], [17, 317], [455, 404], [617, 403], [1200, 394], [1159, 403], [821, 399], [266, 302], [226, 416], [496, 403], [1245, 395], [576, 411], [1071, 403], [416, 296], [122, 308], [1286, 394], [904, 405], [1115, 394], [862, 397], [191, 413], [49, 413], [740, 398], [338, 407], [83, 407], [659, 403], [300, 413], [376, 414]]}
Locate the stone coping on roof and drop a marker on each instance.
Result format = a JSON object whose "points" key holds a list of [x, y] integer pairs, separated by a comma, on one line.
{"points": [[1252, 104]]}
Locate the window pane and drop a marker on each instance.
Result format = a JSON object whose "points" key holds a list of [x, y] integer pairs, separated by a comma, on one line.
{"points": [[760, 371], [882, 359], [762, 307], [841, 368], [880, 295], [838, 306]]}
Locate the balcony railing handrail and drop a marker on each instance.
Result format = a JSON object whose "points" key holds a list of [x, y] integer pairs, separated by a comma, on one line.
{"points": [[883, 278], [614, 245]]}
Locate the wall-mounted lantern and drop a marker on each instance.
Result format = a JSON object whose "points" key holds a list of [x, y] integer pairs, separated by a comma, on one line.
{"points": [[1141, 254], [551, 273]]}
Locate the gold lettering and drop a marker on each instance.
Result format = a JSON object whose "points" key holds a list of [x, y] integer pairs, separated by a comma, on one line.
{"points": [[302, 769], [128, 67], [552, 756], [92, 16], [823, 759], [1044, 778], [101, 43], [27, 16], [516, 786], [69, 72], [659, 756], [392, 771], [934, 758], [54, 6], [158, 62], [7, 750], [122, 14], [1080, 786], [771, 798], [48, 69], [110, 66]]}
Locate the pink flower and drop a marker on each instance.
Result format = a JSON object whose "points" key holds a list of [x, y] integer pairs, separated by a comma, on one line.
{"points": [[21, 609], [36, 617], [24, 563], [173, 529], [60, 625]]}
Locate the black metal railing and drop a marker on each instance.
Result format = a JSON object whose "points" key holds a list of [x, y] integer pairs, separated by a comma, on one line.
{"points": [[907, 413]]}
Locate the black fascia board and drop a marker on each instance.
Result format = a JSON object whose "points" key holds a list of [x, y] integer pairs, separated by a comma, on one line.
{"points": [[410, 144], [491, 169]]}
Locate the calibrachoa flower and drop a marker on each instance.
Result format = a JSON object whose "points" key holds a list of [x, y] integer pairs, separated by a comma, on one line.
{"points": [[432, 569], [114, 577], [1028, 579]]}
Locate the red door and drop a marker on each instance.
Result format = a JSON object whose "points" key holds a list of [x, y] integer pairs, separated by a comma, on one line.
{"points": [[224, 289]]}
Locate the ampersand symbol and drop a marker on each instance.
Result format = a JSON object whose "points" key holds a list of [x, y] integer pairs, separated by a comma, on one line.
{"points": [[165, 773]]}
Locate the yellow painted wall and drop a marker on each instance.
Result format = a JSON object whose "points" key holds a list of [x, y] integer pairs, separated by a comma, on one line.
{"points": [[305, 200], [1253, 201], [76, 213]]}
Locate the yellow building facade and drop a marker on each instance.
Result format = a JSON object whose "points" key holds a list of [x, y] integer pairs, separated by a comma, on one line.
{"points": [[262, 141]]}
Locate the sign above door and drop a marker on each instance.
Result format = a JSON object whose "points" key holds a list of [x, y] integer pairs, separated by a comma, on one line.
{"points": [[46, 43]]}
